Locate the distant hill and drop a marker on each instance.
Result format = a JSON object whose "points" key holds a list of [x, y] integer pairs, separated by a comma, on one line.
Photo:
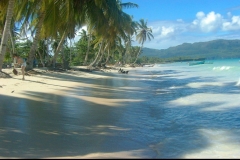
{"points": [[212, 50]]}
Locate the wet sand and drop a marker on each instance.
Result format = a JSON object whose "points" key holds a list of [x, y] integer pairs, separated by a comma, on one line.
{"points": [[69, 115]]}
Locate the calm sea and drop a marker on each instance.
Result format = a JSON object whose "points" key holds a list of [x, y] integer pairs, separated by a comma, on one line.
{"points": [[176, 111], [191, 111]]}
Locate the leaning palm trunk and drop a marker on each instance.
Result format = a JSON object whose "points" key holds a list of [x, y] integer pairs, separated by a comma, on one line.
{"points": [[100, 48], [35, 41], [13, 43], [59, 47], [107, 59], [41, 59], [100, 59], [6, 30], [124, 56], [86, 57], [137, 55]]}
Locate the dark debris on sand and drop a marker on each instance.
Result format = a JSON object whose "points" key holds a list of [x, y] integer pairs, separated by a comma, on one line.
{"points": [[31, 72], [82, 69], [56, 69], [4, 75]]}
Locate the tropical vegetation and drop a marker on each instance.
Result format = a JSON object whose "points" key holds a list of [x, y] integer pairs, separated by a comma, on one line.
{"points": [[215, 49], [44, 32]]}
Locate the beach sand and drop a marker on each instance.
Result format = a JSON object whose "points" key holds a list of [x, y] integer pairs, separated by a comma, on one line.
{"points": [[39, 117]]}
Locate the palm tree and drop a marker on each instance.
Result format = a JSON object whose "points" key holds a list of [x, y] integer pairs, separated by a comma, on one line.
{"points": [[143, 33], [89, 38], [116, 23], [72, 17], [42, 51], [98, 53], [128, 40], [113, 46], [6, 31], [3, 13], [49, 19], [33, 11]]}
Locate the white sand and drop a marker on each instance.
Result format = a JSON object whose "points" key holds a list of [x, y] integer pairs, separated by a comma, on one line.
{"points": [[46, 81], [61, 83]]}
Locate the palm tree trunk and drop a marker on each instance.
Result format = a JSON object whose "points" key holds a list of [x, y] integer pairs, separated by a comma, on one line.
{"points": [[70, 54], [86, 57], [107, 57], [35, 41], [99, 51], [124, 56], [59, 47], [100, 59], [126, 50], [41, 59], [137, 55], [6, 30], [13, 43]]}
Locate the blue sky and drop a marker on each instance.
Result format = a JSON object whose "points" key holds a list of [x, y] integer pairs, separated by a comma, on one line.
{"points": [[175, 22]]}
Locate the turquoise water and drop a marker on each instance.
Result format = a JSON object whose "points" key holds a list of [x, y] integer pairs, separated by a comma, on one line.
{"points": [[193, 111], [222, 70]]}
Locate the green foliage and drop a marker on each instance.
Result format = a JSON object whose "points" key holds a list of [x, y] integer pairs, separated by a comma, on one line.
{"points": [[23, 48], [80, 52]]}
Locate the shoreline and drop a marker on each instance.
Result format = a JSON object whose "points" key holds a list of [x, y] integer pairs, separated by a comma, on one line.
{"points": [[47, 90], [105, 114]]}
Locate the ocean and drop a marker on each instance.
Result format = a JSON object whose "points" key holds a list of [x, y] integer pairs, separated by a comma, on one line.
{"points": [[191, 111], [169, 110]]}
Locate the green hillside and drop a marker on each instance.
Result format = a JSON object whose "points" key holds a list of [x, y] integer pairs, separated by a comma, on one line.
{"points": [[212, 50]]}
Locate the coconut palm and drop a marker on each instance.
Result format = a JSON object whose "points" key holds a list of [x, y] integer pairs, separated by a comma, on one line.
{"points": [[47, 21], [6, 31], [89, 38], [42, 51], [128, 40], [71, 20], [3, 13], [117, 23], [143, 33], [100, 44], [112, 46], [33, 11]]}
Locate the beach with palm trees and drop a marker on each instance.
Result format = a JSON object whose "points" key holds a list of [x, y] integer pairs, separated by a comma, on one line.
{"points": [[88, 92], [73, 94]]}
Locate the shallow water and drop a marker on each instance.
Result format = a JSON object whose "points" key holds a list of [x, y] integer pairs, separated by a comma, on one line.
{"points": [[196, 110], [177, 111]]}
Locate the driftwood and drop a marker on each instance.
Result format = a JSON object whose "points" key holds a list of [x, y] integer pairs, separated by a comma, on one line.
{"points": [[122, 71], [4, 75]]}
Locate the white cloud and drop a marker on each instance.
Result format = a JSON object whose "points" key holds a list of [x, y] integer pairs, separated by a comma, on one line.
{"points": [[234, 24], [200, 15], [166, 31], [163, 32], [208, 23]]}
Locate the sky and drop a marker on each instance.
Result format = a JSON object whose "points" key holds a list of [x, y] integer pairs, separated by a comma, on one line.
{"points": [[174, 22]]}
